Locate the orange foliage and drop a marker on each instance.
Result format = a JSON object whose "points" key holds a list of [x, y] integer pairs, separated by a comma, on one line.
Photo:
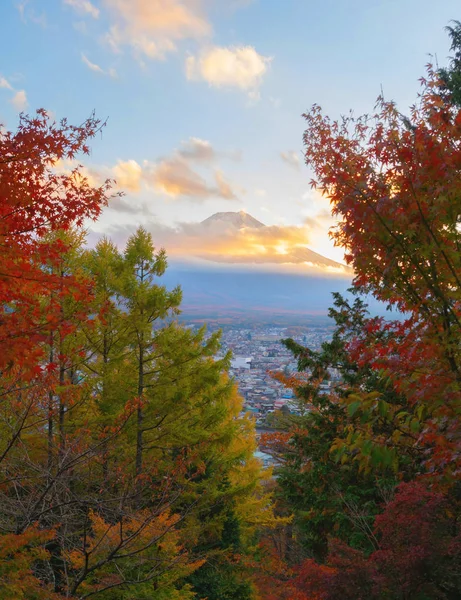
{"points": [[18, 554]]}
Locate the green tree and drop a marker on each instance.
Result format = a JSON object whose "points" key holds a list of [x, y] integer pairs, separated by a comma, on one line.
{"points": [[351, 446], [451, 76], [146, 303]]}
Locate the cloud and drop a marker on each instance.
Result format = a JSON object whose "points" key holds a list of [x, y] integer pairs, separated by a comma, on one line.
{"points": [[128, 175], [152, 28], [71, 167], [291, 158], [221, 242], [224, 188], [19, 100], [236, 67], [97, 69], [84, 7], [197, 149], [28, 14], [5, 84], [92, 66], [174, 177]]}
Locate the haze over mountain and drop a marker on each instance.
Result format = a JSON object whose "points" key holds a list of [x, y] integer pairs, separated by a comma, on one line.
{"points": [[251, 269], [232, 263], [264, 244]]}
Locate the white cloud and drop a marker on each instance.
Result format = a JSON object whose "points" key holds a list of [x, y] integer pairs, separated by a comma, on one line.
{"points": [[5, 84], [254, 97], [92, 66], [84, 7], [97, 69], [152, 28], [19, 100], [28, 14], [236, 67], [197, 149], [291, 158]]}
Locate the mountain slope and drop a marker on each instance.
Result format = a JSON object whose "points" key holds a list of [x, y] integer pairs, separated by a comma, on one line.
{"points": [[251, 242], [236, 219]]}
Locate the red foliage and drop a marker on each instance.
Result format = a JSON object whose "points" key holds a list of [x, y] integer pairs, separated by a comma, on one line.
{"points": [[34, 201], [395, 185], [418, 537], [277, 441], [419, 554], [273, 578]]}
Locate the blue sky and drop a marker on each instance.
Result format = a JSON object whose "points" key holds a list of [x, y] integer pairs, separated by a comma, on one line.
{"points": [[204, 97]]}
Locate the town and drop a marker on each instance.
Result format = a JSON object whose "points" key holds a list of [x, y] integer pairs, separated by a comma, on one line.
{"points": [[258, 353]]}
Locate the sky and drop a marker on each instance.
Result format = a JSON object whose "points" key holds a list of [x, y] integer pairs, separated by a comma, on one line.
{"points": [[203, 100]]}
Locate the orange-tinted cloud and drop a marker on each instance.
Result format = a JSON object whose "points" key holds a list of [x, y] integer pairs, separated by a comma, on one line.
{"points": [[219, 242], [175, 177], [128, 175], [153, 27]]}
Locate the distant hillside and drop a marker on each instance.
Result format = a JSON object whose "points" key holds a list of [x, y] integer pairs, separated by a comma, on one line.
{"points": [[255, 294], [211, 291], [236, 219]]}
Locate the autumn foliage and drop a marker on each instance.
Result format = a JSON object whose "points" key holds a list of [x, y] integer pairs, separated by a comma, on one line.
{"points": [[35, 199], [419, 554], [126, 468], [117, 425], [394, 184], [372, 467]]}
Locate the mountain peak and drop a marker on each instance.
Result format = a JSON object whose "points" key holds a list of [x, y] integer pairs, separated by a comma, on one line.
{"points": [[239, 220]]}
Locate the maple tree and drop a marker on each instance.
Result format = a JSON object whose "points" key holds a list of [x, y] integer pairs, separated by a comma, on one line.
{"points": [[34, 200], [418, 555], [393, 183]]}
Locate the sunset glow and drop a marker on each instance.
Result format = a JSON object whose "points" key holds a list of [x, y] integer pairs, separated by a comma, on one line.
{"points": [[203, 114]]}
